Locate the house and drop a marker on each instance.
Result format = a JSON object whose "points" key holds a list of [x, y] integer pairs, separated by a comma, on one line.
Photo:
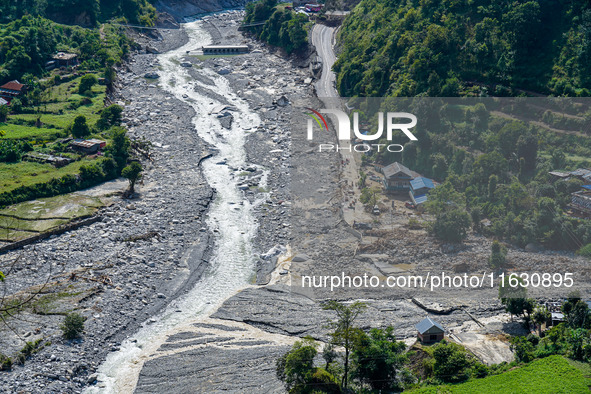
{"points": [[580, 173], [559, 175], [419, 188], [12, 89], [313, 7], [101, 143], [429, 331], [557, 318], [581, 201], [3, 102], [63, 59], [86, 146], [397, 177]]}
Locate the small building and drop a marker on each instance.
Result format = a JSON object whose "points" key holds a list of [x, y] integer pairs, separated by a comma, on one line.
{"points": [[559, 175], [101, 143], [581, 201], [85, 146], [313, 7], [557, 318], [3, 102], [421, 185], [397, 177], [429, 331], [580, 173], [225, 49], [12, 89], [64, 59]]}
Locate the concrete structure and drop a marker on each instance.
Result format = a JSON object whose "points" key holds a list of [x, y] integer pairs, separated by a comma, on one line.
{"points": [[12, 89], [225, 49], [397, 177], [429, 331]]}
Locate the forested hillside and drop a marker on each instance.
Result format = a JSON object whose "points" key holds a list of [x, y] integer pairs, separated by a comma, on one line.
{"points": [[83, 12], [457, 47]]}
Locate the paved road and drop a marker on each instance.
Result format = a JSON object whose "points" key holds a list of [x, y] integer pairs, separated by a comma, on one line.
{"points": [[323, 40]]}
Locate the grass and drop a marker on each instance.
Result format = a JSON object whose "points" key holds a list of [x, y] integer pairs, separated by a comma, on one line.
{"points": [[56, 110], [25, 173], [16, 131], [554, 374]]}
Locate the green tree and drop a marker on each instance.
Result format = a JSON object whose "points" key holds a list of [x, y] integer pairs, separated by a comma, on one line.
{"points": [[513, 294], [86, 83], [451, 362], [118, 150], [541, 315], [110, 116], [452, 226], [132, 172], [523, 349], [4, 111], [378, 360], [296, 369], [79, 128], [344, 330], [497, 255]]}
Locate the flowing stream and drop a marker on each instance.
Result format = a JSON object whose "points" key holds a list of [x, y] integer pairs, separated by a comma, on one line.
{"points": [[230, 217]]}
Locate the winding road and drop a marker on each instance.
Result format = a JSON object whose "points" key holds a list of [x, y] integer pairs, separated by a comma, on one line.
{"points": [[322, 39]]}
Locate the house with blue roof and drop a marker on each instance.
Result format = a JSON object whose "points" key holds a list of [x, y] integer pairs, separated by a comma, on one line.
{"points": [[419, 188], [429, 331]]}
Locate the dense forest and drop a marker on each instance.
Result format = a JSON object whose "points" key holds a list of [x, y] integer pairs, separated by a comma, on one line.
{"points": [[283, 28], [82, 12], [407, 48]]}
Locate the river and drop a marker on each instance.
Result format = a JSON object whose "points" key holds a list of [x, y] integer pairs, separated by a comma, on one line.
{"points": [[230, 219]]}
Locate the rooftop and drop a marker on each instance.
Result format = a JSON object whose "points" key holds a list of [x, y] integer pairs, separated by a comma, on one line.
{"points": [[64, 56], [395, 168], [13, 85], [426, 324], [421, 182]]}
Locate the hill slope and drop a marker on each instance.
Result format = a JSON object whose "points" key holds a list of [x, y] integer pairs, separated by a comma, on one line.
{"points": [[407, 48]]}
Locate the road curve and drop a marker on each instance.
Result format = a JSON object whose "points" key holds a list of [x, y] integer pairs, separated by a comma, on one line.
{"points": [[322, 39]]}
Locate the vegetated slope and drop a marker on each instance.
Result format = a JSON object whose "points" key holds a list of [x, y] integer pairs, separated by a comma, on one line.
{"points": [[553, 374], [81, 12], [439, 48]]}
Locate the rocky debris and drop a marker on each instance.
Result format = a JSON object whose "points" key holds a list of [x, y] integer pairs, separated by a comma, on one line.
{"points": [[186, 64], [224, 71], [151, 75], [212, 369], [123, 276], [152, 50]]}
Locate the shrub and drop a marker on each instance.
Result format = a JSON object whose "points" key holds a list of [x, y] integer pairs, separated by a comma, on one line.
{"points": [[79, 128], [5, 362], [73, 325], [86, 83], [585, 251]]}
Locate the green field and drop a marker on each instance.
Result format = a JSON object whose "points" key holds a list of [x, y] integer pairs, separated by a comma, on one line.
{"points": [[550, 375], [25, 173], [57, 110]]}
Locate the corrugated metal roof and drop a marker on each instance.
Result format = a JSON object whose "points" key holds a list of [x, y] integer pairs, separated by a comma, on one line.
{"points": [[588, 187], [421, 182], [580, 172], [426, 324], [420, 199], [395, 168]]}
